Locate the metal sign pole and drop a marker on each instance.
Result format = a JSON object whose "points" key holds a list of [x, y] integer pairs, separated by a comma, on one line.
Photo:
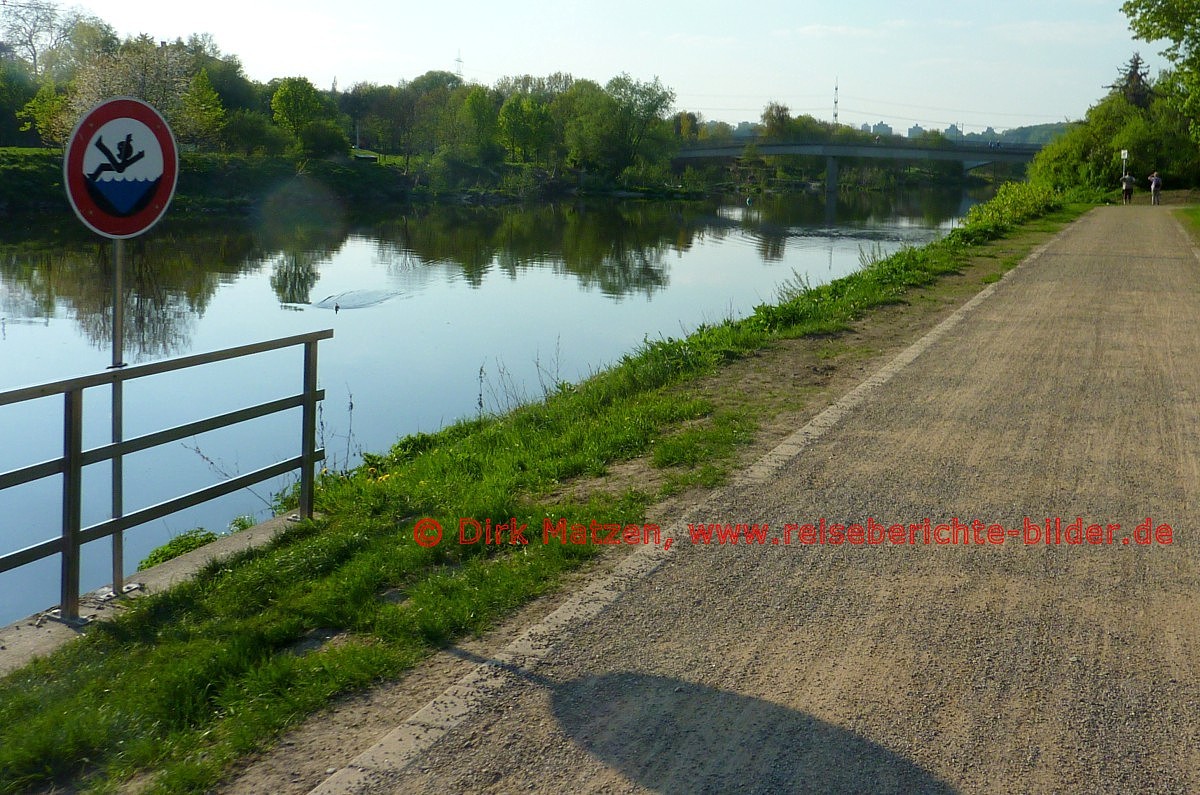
{"points": [[118, 418], [96, 181]]}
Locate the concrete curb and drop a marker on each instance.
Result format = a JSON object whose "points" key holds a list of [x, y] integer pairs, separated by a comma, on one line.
{"points": [[40, 634]]}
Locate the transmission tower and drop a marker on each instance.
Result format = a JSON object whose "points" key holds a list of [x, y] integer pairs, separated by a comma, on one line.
{"points": [[835, 102]]}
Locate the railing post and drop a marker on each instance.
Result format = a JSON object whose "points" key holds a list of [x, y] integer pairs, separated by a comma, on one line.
{"points": [[72, 501], [308, 433]]}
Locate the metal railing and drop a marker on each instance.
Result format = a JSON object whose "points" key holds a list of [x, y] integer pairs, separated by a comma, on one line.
{"points": [[75, 458]]}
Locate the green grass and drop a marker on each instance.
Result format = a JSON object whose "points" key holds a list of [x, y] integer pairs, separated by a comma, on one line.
{"points": [[189, 680], [1191, 218], [179, 545]]}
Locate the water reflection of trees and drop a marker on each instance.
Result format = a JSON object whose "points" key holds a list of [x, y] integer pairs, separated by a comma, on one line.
{"points": [[169, 277], [294, 274], [170, 274], [619, 248], [771, 220]]}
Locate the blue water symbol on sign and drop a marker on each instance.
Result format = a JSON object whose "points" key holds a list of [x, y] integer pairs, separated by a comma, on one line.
{"points": [[122, 197]]}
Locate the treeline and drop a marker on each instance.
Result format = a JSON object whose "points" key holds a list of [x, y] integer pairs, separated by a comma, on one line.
{"points": [[519, 136], [1150, 120], [55, 65]]}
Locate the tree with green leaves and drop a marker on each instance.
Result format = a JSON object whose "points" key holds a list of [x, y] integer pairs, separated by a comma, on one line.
{"points": [[17, 88], [478, 118], [322, 138], [83, 38], [200, 116], [526, 127], [591, 134], [252, 133], [1134, 83], [687, 126], [642, 110], [776, 122], [1174, 21], [296, 103], [48, 113]]}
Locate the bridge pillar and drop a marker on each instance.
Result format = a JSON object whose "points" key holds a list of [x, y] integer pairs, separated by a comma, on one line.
{"points": [[831, 177]]}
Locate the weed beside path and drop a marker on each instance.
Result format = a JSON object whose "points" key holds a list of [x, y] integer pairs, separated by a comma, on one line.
{"points": [[191, 680]]}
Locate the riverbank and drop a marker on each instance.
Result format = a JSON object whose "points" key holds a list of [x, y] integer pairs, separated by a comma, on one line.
{"points": [[219, 184], [210, 183], [31, 181], [217, 658]]}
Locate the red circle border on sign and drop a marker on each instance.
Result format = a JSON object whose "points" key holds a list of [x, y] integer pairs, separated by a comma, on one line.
{"points": [[75, 179]]}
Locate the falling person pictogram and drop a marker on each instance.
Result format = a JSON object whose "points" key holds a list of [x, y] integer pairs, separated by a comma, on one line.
{"points": [[124, 159]]}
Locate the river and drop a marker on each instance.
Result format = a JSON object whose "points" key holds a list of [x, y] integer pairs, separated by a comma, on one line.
{"points": [[437, 312]]}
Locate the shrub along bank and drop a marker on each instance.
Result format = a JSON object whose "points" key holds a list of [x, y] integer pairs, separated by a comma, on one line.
{"points": [[189, 680], [31, 181]]}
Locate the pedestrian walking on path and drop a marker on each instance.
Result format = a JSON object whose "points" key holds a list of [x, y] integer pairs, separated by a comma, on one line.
{"points": [[1127, 188], [1155, 188]]}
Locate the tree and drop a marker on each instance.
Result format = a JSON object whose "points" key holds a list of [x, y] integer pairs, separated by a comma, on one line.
{"points": [[234, 89], [296, 103], [716, 131], [142, 68], [31, 29], [49, 114], [1088, 155], [83, 39], [252, 133], [776, 121], [1174, 21], [200, 116], [515, 126], [323, 138], [1133, 83], [434, 82], [591, 133], [478, 118], [387, 120], [527, 127], [17, 88], [686, 125], [642, 110]]}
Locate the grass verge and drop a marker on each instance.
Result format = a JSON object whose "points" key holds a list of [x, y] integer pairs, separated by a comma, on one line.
{"points": [[188, 681]]}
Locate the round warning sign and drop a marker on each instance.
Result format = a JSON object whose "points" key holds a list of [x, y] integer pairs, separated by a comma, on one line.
{"points": [[120, 167]]}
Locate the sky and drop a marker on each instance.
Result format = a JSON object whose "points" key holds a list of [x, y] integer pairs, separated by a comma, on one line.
{"points": [[927, 62]]}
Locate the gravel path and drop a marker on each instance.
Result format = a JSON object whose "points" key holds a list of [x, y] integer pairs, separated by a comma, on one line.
{"points": [[1071, 389]]}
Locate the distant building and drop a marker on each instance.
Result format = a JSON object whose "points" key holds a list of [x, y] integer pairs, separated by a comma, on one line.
{"points": [[916, 131], [882, 129], [953, 133], [745, 129]]}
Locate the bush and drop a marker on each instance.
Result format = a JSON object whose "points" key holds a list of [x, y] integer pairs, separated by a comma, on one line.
{"points": [[253, 133], [323, 139]]}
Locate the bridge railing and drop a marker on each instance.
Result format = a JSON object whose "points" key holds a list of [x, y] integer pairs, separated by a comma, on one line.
{"points": [[892, 142], [74, 458]]}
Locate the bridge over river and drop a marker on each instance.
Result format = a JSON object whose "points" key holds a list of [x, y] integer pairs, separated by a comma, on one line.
{"points": [[971, 155]]}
